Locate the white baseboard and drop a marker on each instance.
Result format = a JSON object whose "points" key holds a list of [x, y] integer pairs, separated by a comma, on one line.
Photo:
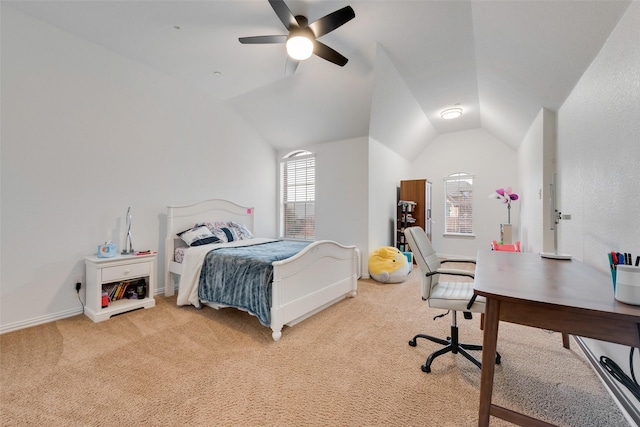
{"points": [[40, 320], [623, 398], [49, 318]]}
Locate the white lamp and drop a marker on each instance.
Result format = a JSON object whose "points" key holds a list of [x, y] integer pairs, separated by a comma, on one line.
{"points": [[300, 44], [128, 243], [451, 113]]}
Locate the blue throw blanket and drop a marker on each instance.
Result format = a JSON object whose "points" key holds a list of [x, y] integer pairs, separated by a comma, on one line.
{"points": [[241, 277]]}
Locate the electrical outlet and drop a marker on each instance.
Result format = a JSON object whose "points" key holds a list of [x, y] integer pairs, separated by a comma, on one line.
{"points": [[78, 279]]}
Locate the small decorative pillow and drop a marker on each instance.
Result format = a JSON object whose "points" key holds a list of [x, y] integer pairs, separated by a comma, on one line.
{"points": [[227, 234], [179, 254], [243, 231], [198, 235]]}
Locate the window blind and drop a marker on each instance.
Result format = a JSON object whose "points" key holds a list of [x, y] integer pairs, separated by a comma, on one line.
{"points": [[298, 196], [459, 203]]}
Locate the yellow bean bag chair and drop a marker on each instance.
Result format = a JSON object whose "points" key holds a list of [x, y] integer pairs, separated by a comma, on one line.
{"points": [[388, 265]]}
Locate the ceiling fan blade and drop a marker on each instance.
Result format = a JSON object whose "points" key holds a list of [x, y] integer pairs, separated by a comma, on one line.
{"points": [[325, 52], [263, 39], [332, 21], [284, 13], [291, 66]]}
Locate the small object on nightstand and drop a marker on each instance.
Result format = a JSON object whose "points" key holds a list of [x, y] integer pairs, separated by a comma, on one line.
{"points": [[128, 243], [108, 250], [147, 252]]}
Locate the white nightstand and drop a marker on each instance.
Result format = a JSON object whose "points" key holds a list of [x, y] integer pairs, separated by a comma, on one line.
{"points": [[121, 268]]}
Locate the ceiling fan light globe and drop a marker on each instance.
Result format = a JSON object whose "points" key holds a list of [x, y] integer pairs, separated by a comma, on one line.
{"points": [[299, 47]]}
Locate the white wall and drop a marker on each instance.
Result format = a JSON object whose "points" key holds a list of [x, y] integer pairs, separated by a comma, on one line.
{"points": [[599, 159], [87, 133], [386, 169], [357, 179], [494, 165], [397, 120], [398, 127], [341, 191], [599, 151]]}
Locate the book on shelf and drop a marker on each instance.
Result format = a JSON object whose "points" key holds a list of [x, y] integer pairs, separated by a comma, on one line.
{"points": [[121, 287], [115, 291], [127, 289]]}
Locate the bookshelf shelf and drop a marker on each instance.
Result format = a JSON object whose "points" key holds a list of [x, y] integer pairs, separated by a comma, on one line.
{"points": [[107, 273], [404, 220]]}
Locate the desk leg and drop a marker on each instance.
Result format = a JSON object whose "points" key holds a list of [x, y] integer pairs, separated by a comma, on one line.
{"points": [[565, 340], [489, 342]]}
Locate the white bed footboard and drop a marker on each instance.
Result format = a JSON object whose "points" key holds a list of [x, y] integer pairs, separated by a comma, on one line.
{"points": [[320, 275]]}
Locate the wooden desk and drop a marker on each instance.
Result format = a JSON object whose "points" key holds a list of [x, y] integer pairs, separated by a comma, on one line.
{"points": [[564, 296]]}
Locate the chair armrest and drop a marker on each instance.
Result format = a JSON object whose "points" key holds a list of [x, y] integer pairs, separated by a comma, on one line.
{"points": [[455, 272], [467, 260]]}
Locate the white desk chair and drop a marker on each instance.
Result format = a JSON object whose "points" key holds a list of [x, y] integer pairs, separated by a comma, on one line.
{"points": [[452, 296]]}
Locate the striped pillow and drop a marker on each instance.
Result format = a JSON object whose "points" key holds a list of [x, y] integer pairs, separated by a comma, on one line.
{"points": [[198, 235]]}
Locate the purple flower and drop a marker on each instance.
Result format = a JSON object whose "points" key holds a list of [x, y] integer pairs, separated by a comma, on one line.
{"points": [[506, 196]]}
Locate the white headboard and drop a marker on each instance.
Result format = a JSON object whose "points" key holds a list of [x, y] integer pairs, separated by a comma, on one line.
{"points": [[180, 218]]}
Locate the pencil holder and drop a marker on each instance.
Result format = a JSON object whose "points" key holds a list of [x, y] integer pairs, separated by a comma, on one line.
{"points": [[628, 284]]}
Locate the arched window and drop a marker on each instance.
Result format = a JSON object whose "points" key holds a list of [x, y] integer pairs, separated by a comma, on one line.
{"points": [[458, 203], [298, 195]]}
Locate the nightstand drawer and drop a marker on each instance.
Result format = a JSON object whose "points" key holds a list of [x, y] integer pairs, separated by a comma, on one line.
{"points": [[111, 274]]}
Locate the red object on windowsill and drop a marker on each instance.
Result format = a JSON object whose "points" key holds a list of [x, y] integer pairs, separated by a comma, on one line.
{"points": [[495, 246]]}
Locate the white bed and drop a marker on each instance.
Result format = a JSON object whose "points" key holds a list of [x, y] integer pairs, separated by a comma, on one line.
{"points": [[322, 274]]}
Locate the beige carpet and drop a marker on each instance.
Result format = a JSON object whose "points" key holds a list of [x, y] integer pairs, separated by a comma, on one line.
{"points": [[349, 365]]}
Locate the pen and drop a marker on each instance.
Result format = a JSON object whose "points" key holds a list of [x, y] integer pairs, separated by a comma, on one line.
{"points": [[613, 260]]}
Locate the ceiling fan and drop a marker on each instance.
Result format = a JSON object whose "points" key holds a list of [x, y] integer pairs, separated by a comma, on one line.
{"points": [[302, 41]]}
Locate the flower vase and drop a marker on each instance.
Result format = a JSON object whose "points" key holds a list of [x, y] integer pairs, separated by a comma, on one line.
{"points": [[505, 234]]}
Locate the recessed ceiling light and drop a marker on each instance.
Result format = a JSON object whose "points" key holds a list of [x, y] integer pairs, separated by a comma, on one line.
{"points": [[217, 73], [451, 113]]}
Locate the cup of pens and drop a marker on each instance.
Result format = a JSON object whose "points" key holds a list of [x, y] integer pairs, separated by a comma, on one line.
{"points": [[618, 258], [627, 284]]}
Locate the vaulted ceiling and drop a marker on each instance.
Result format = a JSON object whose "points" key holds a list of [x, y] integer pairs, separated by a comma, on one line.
{"points": [[501, 61]]}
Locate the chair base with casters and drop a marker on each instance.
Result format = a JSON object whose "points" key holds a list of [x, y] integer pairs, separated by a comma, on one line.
{"points": [[451, 344]]}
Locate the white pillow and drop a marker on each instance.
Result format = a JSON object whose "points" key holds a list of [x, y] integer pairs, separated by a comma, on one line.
{"points": [[243, 231], [198, 235], [226, 234]]}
